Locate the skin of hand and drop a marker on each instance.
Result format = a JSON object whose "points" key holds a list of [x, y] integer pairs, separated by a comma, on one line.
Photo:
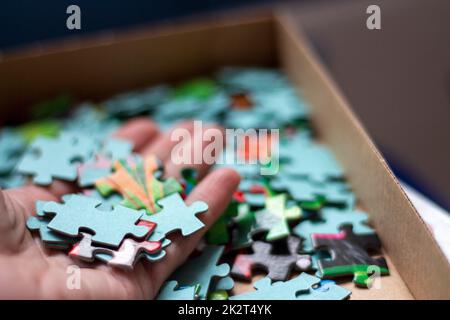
{"points": [[28, 270]]}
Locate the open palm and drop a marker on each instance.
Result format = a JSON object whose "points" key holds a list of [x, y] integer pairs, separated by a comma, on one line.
{"points": [[28, 270]]}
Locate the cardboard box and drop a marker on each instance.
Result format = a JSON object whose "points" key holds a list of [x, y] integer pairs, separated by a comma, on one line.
{"points": [[98, 67]]}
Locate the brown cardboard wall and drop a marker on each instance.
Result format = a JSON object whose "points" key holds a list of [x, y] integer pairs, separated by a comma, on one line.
{"points": [[403, 233]]}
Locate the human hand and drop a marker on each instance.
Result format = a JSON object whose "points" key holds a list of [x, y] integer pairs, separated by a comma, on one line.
{"points": [[28, 270]]}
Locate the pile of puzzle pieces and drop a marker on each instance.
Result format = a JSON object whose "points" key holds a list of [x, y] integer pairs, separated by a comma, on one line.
{"points": [[300, 227]]}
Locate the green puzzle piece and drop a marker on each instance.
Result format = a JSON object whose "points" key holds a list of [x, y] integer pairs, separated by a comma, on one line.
{"points": [[330, 221], [299, 288], [176, 215], [218, 233], [202, 270], [200, 88], [275, 217], [109, 227]]}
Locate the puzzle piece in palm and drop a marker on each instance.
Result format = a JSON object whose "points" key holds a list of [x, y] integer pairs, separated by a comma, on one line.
{"points": [[81, 212], [176, 215], [12, 180], [301, 288], [11, 147], [277, 259], [125, 257], [48, 236], [49, 158], [202, 270], [171, 291], [349, 255], [153, 257], [331, 220], [138, 184], [275, 217], [101, 165]]}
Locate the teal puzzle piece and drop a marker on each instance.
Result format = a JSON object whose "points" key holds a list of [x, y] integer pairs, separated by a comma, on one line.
{"points": [[299, 288], [109, 227], [176, 215], [202, 269]]}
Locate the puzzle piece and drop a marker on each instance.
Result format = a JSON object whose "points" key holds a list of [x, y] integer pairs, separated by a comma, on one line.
{"points": [[125, 257], [81, 212], [11, 147], [101, 165], [218, 233], [303, 190], [108, 202], [176, 215], [49, 158], [312, 161], [137, 182], [331, 220], [202, 270], [12, 180], [49, 237], [299, 288], [171, 291], [277, 259], [350, 256], [240, 79], [244, 224], [200, 88], [189, 179], [275, 217], [87, 118], [138, 102]]}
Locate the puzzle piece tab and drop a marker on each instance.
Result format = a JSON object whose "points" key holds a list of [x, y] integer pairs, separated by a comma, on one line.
{"points": [[176, 215], [171, 291]]}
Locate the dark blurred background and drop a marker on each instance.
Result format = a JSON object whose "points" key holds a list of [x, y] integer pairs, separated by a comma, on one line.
{"points": [[397, 79]]}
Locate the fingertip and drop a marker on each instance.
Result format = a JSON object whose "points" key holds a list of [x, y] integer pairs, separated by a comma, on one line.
{"points": [[231, 175], [140, 131]]}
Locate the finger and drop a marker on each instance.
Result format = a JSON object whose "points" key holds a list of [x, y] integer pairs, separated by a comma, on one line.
{"points": [[198, 151], [216, 190], [163, 144], [140, 131]]}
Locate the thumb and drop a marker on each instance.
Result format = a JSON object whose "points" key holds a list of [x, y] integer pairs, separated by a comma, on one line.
{"points": [[12, 224]]}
